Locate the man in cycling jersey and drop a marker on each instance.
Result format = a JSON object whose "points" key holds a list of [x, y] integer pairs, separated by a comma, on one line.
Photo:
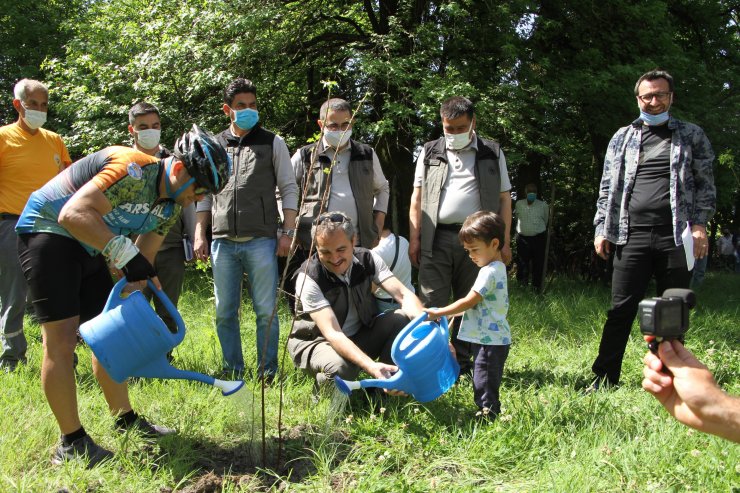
{"points": [[76, 223]]}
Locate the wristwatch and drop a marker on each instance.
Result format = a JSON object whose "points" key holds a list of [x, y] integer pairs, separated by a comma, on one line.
{"points": [[290, 233]]}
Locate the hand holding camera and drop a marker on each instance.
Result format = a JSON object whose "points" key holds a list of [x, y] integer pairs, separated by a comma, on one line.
{"points": [[666, 318]]}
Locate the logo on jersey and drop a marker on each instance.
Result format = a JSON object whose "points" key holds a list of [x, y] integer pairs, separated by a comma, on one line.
{"points": [[58, 162], [134, 171]]}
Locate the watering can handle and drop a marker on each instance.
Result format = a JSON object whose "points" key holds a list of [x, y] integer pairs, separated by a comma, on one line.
{"points": [[114, 299], [159, 293], [412, 325]]}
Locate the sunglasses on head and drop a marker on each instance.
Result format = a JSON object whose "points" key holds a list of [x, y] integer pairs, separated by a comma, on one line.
{"points": [[333, 217]]}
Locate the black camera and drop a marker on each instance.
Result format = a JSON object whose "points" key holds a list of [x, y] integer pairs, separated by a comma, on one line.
{"points": [[666, 317]]}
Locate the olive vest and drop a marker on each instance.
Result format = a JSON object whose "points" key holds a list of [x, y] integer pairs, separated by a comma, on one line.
{"points": [[338, 293], [247, 205], [319, 177], [435, 175]]}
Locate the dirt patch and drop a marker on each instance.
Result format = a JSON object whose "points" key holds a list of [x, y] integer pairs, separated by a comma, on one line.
{"points": [[242, 463], [208, 483]]}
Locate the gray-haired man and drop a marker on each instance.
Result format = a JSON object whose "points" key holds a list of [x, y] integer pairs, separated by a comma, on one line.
{"points": [[29, 157], [340, 330]]}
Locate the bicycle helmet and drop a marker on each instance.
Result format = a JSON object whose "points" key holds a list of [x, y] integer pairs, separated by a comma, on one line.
{"points": [[204, 158]]}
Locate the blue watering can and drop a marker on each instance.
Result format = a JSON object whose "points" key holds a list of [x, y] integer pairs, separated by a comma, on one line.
{"points": [[427, 368], [130, 340]]}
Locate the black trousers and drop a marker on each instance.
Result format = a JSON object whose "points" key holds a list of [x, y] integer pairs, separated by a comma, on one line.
{"points": [[488, 370], [650, 251], [530, 252]]}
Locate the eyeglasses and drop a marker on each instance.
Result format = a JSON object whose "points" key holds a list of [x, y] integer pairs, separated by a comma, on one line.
{"points": [[332, 217], [333, 127], [646, 98]]}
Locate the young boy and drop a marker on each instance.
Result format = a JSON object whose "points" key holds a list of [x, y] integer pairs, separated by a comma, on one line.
{"points": [[484, 323]]}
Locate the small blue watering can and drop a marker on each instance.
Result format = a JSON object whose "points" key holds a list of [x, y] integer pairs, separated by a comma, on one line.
{"points": [[130, 340], [427, 368]]}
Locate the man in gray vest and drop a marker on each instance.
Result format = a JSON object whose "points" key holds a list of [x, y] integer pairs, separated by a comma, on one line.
{"points": [[351, 170], [244, 218], [339, 330], [456, 175]]}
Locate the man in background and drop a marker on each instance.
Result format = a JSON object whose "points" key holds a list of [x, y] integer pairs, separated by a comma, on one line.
{"points": [[532, 215], [29, 157]]}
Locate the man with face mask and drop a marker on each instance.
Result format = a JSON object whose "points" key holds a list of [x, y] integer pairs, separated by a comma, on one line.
{"points": [[29, 157], [456, 175], [344, 166], [657, 181], [145, 128], [244, 219], [531, 228]]}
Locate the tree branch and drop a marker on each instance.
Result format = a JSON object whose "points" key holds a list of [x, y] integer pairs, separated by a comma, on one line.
{"points": [[371, 15]]}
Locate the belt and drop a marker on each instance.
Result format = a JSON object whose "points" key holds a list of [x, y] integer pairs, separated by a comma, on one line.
{"points": [[450, 227], [385, 300], [4, 216]]}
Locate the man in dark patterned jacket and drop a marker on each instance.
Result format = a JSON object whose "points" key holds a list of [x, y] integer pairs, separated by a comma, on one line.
{"points": [[657, 183]]}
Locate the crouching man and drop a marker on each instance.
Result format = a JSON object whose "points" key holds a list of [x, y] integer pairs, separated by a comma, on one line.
{"points": [[340, 330]]}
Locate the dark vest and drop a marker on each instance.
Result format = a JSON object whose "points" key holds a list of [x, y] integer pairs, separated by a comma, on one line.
{"points": [[360, 181], [339, 294], [247, 205], [435, 175]]}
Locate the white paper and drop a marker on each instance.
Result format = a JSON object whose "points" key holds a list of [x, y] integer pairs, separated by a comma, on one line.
{"points": [[688, 246]]}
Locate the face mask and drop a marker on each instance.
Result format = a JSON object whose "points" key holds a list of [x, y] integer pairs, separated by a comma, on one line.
{"points": [[458, 141], [337, 138], [34, 119], [149, 138], [246, 118], [658, 119], [531, 197]]}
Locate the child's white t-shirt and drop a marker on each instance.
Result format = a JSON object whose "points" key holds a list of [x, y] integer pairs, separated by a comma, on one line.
{"points": [[486, 322]]}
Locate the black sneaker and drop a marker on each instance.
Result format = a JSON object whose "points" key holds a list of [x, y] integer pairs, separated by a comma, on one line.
{"points": [[83, 448], [146, 429]]}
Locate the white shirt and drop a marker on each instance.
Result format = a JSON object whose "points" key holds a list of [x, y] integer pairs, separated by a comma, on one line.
{"points": [[386, 249], [460, 194]]}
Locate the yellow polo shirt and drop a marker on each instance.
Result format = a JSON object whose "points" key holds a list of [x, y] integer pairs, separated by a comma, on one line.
{"points": [[27, 162]]}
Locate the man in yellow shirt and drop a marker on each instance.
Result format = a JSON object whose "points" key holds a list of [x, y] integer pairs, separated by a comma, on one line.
{"points": [[29, 157]]}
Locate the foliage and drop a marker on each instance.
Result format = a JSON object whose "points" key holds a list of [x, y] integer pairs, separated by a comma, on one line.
{"points": [[552, 81], [549, 437], [28, 36]]}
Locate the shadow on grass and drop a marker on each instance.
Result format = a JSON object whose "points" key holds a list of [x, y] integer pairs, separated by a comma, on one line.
{"points": [[210, 466], [539, 377]]}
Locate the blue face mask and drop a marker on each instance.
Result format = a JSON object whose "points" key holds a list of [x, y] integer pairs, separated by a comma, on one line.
{"points": [[658, 119], [246, 118], [531, 197]]}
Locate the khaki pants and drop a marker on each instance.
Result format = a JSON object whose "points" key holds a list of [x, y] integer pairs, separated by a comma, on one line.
{"points": [[316, 356]]}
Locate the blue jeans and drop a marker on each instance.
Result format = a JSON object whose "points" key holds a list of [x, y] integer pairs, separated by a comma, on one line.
{"points": [[231, 260]]}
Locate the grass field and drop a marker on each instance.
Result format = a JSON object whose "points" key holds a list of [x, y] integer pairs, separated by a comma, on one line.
{"points": [[549, 437]]}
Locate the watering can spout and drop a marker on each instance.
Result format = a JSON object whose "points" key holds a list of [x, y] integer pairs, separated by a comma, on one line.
{"points": [[160, 368]]}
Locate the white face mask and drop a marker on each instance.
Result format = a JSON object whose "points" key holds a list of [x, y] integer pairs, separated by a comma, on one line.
{"points": [[337, 138], [458, 141], [149, 138], [34, 119]]}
